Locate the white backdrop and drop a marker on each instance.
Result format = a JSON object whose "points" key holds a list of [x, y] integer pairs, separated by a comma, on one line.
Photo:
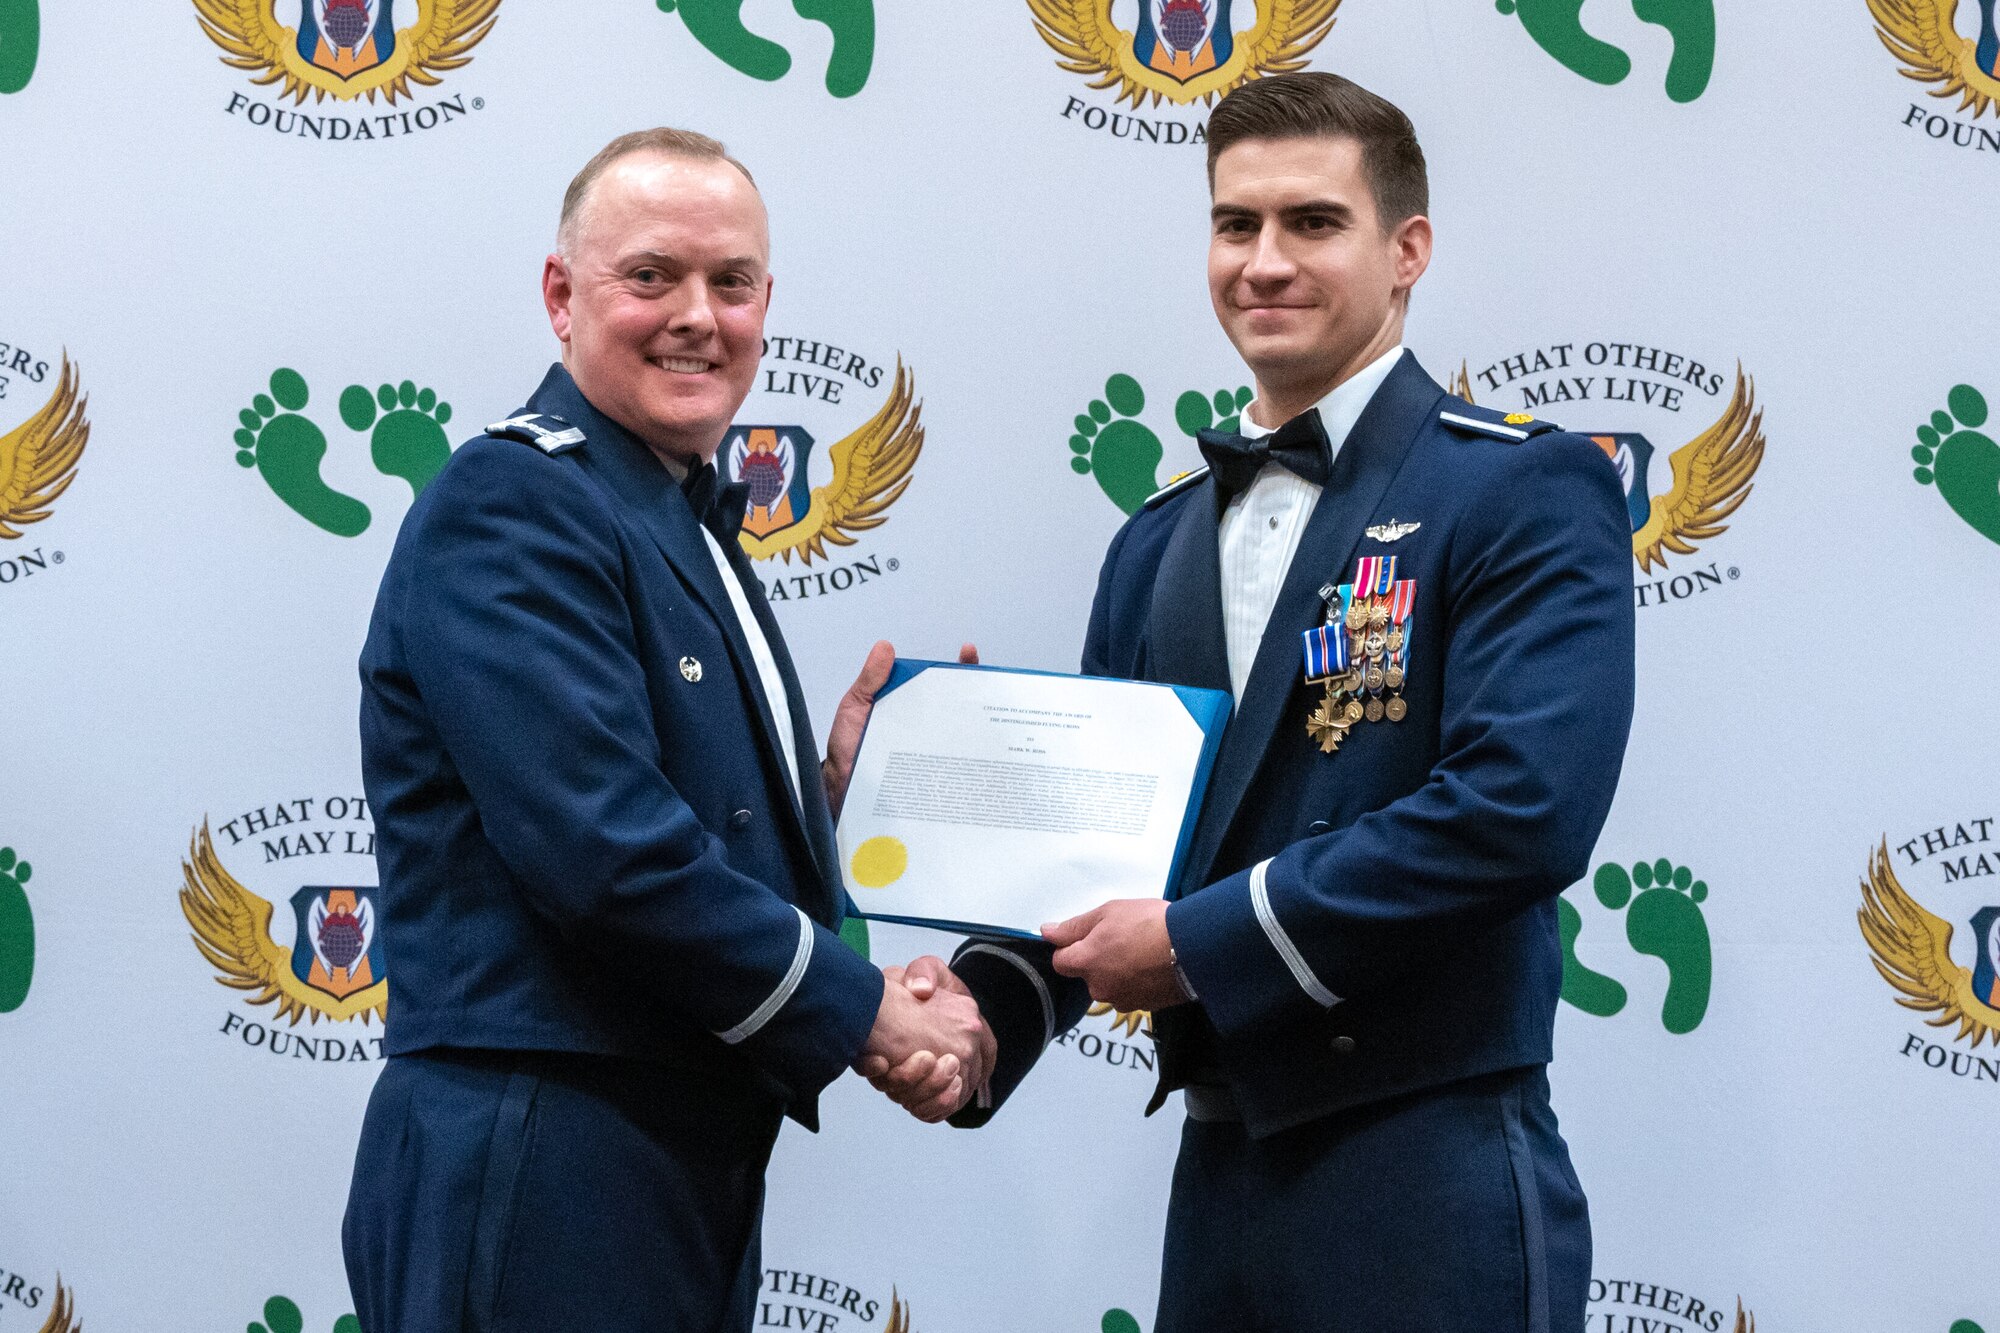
{"points": [[180, 631]]}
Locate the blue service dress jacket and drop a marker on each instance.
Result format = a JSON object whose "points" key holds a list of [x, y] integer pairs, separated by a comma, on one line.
{"points": [[587, 837], [1382, 919]]}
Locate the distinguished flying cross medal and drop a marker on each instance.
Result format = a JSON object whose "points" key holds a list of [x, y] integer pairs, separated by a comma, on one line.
{"points": [[1361, 655]]}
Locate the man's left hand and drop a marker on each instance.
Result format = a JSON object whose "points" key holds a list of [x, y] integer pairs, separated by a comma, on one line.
{"points": [[850, 718], [1123, 951]]}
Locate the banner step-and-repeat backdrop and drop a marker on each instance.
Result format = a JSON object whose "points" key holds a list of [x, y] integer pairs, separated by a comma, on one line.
{"points": [[274, 259]]}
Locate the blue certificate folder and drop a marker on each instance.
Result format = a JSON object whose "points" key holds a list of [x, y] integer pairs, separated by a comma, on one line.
{"points": [[1210, 710]]}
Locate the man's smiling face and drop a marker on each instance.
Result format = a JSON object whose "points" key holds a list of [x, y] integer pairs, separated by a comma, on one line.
{"points": [[1306, 281], [660, 296]]}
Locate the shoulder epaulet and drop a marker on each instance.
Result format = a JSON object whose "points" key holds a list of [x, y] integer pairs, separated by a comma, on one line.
{"points": [[1185, 481], [1514, 427], [552, 435]]}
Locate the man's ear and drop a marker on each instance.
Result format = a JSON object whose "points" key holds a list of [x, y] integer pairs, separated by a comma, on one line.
{"points": [[1413, 250], [556, 293]]}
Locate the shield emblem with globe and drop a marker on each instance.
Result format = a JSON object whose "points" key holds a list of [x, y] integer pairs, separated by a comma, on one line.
{"points": [[771, 460], [346, 37], [1183, 38], [338, 949], [1986, 955], [1632, 454]]}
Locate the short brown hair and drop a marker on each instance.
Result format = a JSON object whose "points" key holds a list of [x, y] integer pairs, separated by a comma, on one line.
{"points": [[1314, 105], [665, 140]]}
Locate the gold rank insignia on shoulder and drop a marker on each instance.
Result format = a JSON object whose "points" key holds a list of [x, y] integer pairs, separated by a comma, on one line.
{"points": [[1361, 655], [1517, 418]]}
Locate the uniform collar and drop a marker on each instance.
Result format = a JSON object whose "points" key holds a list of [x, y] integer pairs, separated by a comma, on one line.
{"points": [[1342, 407]]}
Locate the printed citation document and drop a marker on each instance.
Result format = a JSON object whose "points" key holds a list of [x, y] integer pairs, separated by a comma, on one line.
{"points": [[990, 801]]}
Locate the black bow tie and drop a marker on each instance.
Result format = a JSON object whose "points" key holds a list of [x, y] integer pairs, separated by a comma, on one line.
{"points": [[1300, 445], [716, 507]]}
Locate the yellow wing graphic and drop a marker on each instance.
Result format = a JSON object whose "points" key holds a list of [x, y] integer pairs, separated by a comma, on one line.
{"points": [[62, 1315], [871, 468], [440, 40], [1712, 475], [1921, 34], [1087, 42], [1912, 951], [1131, 1020], [38, 457], [232, 928], [899, 1314], [1461, 383]]}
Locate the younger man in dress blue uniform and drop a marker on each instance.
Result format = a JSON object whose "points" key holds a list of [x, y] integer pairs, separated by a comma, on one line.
{"points": [[1355, 980], [609, 885]]}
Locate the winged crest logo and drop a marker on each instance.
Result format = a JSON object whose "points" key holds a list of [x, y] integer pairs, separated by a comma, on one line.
{"points": [[871, 470], [346, 48], [1182, 51], [38, 458], [334, 969], [1712, 475], [1924, 36], [1911, 948], [62, 1312]]}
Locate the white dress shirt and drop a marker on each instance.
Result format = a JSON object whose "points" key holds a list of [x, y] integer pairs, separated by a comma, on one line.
{"points": [[760, 647], [1261, 528], [760, 650]]}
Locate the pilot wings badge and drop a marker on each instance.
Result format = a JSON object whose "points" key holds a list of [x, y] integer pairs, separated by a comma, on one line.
{"points": [[1391, 531]]}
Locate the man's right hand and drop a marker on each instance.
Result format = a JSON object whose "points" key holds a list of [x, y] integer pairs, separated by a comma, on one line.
{"points": [[931, 1049]]}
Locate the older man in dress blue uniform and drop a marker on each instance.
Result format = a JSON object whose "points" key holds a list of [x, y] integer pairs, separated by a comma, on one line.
{"points": [[1355, 981], [609, 887]]}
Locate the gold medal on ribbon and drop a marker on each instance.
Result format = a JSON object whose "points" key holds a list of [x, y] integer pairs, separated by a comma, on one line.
{"points": [[1396, 709], [1393, 678], [1396, 639], [1328, 724], [1354, 711], [1375, 678], [1374, 710]]}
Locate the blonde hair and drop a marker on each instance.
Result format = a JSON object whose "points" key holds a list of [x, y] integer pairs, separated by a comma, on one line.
{"points": [[665, 140]]}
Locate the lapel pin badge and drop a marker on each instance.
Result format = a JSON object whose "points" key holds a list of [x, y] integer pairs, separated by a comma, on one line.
{"points": [[690, 670]]}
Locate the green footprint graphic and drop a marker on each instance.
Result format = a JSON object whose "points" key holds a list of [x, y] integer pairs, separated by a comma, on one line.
{"points": [[282, 1316], [287, 449], [852, 23], [1118, 1321], [17, 932], [718, 25], [1124, 455], [1966, 1326], [1963, 464], [1195, 412], [1592, 992], [409, 440], [1557, 27], [1692, 24], [1665, 922], [20, 42]]}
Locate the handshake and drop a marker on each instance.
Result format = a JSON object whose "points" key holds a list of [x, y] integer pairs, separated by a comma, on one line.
{"points": [[931, 1050]]}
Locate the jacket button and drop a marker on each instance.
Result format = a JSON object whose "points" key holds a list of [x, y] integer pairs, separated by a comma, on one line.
{"points": [[1343, 1045], [740, 820], [1318, 827]]}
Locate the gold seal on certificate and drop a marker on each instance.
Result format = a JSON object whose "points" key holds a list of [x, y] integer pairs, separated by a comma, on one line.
{"points": [[991, 801]]}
